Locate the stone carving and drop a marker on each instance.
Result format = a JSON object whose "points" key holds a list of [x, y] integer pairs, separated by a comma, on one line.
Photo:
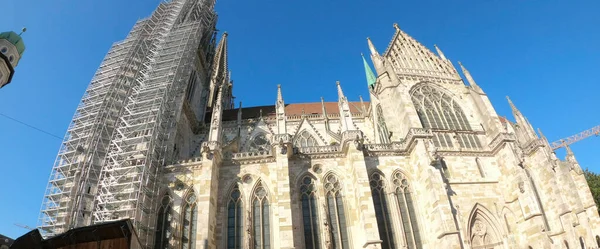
{"points": [[522, 186], [433, 152]]}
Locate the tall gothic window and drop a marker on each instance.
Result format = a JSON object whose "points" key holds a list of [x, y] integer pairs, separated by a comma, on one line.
{"points": [[439, 112], [305, 139], [234, 219], [190, 219], [261, 232], [260, 143], [336, 226], [163, 225], [538, 199], [309, 213], [382, 213], [381, 127], [407, 211]]}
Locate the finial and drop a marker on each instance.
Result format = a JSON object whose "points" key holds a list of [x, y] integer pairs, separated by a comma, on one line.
{"points": [[372, 47], [240, 104], [279, 86], [439, 51], [337, 82], [225, 34], [23, 30], [396, 26]]}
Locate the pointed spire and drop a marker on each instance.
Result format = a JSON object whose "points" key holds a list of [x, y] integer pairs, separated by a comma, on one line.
{"points": [[522, 122], [280, 112], [372, 48], [371, 79], [467, 75], [220, 74], [362, 104], [344, 107], [439, 52], [323, 109], [239, 120]]}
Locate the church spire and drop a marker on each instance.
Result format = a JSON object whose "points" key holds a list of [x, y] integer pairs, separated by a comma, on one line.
{"points": [[372, 48], [280, 112], [439, 52], [470, 79], [523, 124], [371, 79], [344, 107], [219, 72]]}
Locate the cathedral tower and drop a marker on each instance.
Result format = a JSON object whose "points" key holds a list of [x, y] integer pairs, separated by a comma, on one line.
{"points": [[11, 50]]}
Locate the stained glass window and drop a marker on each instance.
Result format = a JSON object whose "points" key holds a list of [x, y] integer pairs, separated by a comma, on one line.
{"points": [[338, 233], [234, 220], [309, 213], [382, 213], [163, 224], [260, 218], [190, 218], [403, 197], [439, 112]]}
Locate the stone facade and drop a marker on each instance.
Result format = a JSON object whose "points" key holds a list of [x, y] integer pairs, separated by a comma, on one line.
{"points": [[466, 177]]}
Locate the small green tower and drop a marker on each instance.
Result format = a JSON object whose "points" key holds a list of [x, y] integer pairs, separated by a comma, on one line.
{"points": [[11, 51]]}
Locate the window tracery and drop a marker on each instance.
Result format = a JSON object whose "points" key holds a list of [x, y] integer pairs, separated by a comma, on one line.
{"points": [[260, 218], [190, 218], [309, 213], [335, 213], [260, 143], [405, 204], [163, 224], [438, 111], [234, 219], [305, 139], [382, 213]]}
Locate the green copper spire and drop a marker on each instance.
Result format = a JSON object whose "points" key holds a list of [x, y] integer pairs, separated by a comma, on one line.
{"points": [[371, 79], [15, 39]]}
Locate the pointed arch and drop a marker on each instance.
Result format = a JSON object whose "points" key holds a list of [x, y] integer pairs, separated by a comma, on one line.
{"points": [[310, 210], [382, 211], [382, 129], [305, 138], [402, 196], [163, 224], [438, 111], [336, 226], [189, 221], [234, 218], [483, 231], [259, 142], [261, 228]]}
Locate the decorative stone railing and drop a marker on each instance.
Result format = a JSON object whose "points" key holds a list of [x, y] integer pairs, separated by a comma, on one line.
{"points": [[319, 149], [394, 146], [190, 160], [249, 155]]}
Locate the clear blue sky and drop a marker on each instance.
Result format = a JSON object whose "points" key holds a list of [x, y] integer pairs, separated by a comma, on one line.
{"points": [[543, 54]]}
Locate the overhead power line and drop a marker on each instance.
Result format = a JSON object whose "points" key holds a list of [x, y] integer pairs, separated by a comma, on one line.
{"points": [[30, 126]]}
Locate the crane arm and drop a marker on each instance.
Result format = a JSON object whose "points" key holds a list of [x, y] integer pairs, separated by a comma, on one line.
{"points": [[575, 138]]}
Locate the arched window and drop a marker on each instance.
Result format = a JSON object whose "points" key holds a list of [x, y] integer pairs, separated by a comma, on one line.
{"points": [[234, 219], [439, 112], [260, 143], [381, 127], [382, 213], [190, 217], [335, 228], [163, 225], [309, 213], [537, 199], [261, 232], [305, 139], [406, 208]]}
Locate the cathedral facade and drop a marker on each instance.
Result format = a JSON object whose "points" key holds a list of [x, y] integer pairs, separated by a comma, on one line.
{"points": [[425, 162]]}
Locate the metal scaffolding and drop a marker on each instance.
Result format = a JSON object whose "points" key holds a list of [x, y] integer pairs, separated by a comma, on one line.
{"points": [[123, 130]]}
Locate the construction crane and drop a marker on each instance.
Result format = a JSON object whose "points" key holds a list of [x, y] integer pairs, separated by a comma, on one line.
{"points": [[24, 226], [575, 138]]}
